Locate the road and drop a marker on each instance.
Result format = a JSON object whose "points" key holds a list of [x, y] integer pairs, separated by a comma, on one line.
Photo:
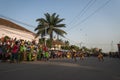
{"points": [[62, 69]]}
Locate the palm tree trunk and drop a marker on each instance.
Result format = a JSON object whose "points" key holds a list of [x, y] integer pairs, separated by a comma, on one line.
{"points": [[57, 37], [51, 36], [51, 39]]}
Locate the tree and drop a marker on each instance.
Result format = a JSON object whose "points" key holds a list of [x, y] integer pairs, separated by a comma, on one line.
{"points": [[95, 51], [74, 47], [67, 43], [49, 25], [41, 41]]}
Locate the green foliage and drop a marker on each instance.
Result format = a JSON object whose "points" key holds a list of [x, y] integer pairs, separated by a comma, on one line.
{"points": [[6, 38], [41, 41], [49, 43], [74, 47], [67, 43], [52, 23], [65, 47]]}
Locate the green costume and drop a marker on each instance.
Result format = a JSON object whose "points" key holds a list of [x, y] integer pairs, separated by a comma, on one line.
{"points": [[39, 54], [46, 54], [29, 56]]}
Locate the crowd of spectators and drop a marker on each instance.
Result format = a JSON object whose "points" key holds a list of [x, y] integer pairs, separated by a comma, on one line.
{"points": [[20, 50], [15, 50]]}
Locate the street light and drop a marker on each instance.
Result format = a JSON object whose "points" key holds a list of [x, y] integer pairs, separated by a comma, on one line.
{"points": [[45, 35], [46, 27], [81, 44]]}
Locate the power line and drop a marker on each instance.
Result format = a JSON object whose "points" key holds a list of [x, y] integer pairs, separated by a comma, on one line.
{"points": [[71, 40], [90, 44], [83, 11], [16, 21], [79, 14], [91, 14]]}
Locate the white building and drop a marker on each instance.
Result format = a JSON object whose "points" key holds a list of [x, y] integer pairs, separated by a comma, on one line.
{"points": [[8, 28]]}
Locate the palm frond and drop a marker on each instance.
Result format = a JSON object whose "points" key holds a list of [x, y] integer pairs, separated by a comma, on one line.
{"points": [[60, 25], [47, 17], [59, 31], [53, 22], [59, 20]]}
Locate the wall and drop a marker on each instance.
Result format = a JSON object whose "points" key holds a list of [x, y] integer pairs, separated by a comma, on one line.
{"points": [[15, 33]]}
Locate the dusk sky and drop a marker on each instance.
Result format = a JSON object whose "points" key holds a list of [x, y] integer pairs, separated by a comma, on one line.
{"points": [[93, 23]]}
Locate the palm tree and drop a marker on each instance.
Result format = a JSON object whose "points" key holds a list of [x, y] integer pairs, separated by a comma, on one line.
{"points": [[49, 25], [67, 43]]}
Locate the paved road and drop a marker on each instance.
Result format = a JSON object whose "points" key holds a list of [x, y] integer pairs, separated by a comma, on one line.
{"points": [[62, 69]]}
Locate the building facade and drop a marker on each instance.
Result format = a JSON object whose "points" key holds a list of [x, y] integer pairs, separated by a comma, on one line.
{"points": [[118, 48], [8, 28]]}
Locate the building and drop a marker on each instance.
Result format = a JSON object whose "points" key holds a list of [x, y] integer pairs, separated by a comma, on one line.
{"points": [[13, 30], [119, 48], [56, 45]]}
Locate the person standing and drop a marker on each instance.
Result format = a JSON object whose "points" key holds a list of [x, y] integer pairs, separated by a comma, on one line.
{"points": [[39, 55], [15, 49], [47, 55]]}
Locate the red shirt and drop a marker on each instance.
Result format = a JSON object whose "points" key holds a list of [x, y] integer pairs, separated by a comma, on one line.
{"points": [[15, 49]]}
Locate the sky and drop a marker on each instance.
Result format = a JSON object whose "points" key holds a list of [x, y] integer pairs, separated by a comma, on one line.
{"points": [[90, 23]]}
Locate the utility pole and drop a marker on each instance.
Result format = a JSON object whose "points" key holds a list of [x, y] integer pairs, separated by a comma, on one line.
{"points": [[119, 48], [45, 35], [80, 44], [112, 47], [46, 26]]}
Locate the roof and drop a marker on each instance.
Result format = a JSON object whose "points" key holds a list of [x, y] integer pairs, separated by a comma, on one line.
{"points": [[57, 42], [10, 24]]}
